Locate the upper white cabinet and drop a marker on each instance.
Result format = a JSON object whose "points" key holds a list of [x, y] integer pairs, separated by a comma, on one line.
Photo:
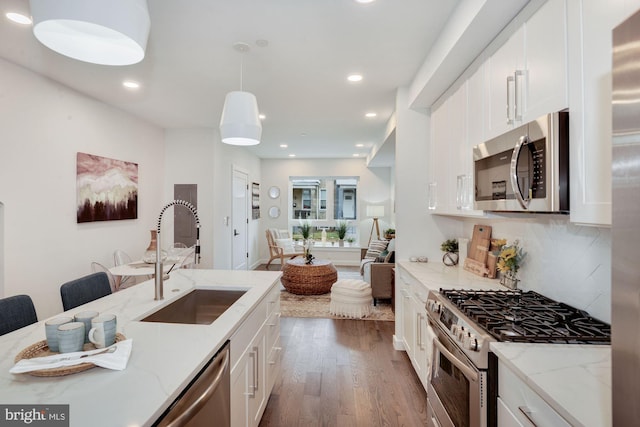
{"points": [[527, 75], [590, 27], [455, 127]]}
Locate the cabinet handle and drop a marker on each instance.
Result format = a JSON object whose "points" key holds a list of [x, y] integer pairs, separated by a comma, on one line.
{"points": [[418, 334], [256, 371], [516, 111], [527, 413], [509, 80]]}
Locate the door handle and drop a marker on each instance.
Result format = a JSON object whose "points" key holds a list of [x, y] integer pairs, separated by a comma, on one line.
{"points": [[515, 185], [235, 232]]}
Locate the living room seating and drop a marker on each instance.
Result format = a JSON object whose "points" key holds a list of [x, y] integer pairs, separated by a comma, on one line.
{"points": [[281, 246], [377, 266], [350, 298]]}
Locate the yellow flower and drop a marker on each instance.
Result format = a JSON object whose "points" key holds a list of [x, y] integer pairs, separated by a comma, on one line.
{"points": [[508, 253]]}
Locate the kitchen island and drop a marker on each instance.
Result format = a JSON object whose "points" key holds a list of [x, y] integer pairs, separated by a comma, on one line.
{"points": [[164, 359]]}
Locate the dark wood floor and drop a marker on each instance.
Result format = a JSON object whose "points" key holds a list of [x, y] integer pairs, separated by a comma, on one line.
{"points": [[343, 373]]}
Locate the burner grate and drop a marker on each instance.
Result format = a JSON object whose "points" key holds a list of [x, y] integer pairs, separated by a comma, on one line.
{"points": [[517, 316]]}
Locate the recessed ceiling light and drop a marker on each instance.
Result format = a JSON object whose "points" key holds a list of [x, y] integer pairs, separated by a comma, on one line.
{"points": [[355, 78], [130, 84], [19, 18], [364, 1], [370, 115], [356, 155], [283, 145], [292, 155], [262, 116], [359, 145]]}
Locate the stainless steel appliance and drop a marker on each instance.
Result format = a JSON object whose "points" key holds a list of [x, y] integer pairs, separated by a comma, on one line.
{"points": [[625, 235], [462, 390], [206, 400], [525, 169]]}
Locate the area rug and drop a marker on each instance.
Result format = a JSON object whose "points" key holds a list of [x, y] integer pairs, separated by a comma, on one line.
{"points": [[292, 305]]}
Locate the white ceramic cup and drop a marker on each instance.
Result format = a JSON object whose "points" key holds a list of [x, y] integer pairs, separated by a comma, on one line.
{"points": [[103, 330], [85, 317], [51, 331], [71, 337]]}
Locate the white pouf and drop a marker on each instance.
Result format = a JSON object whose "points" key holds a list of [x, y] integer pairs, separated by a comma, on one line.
{"points": [[351, 298]]}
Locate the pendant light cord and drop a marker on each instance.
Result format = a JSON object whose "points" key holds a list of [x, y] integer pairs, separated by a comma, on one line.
{"points": [[241, 69]]}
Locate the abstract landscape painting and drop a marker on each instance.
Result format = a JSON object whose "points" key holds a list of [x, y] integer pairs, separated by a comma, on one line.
{"points": [[107, 189]]}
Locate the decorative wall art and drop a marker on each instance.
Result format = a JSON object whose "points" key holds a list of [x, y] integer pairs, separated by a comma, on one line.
{"points": [[107, 189], [255, 200]]}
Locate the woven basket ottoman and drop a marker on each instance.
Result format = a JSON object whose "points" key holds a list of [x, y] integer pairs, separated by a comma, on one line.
{"points": [[351, 298]]}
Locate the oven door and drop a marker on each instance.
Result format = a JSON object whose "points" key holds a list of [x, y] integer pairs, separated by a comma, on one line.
{"points": [[456, 390]]}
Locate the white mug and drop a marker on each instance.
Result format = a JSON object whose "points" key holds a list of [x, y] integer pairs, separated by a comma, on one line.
{"points": [[103, 330]]}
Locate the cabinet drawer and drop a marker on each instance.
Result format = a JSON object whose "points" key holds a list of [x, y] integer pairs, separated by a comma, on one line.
{"points": [[524, 403]]}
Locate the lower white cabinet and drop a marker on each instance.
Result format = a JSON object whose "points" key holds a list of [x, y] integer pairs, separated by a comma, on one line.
{"points": [[414, 321], [520, 405], [255, 361]]}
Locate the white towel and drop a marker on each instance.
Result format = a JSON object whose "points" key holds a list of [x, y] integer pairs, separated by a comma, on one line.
{"points": [[116, 360]]}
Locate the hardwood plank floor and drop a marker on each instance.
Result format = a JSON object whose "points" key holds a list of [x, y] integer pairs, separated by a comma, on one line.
{"points": [[341, 372]]}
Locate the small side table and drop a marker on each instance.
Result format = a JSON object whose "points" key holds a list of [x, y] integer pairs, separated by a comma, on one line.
{"points": [[308, 279]]}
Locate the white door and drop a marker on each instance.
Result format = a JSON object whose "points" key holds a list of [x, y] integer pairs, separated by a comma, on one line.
{"points": [[240, 220]]}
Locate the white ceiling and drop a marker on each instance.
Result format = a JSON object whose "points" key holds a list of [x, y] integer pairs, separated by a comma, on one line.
{"points": [[299, 79]]}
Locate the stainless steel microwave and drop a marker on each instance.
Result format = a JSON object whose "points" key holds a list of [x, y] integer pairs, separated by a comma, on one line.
{"points": [[525, 169]]}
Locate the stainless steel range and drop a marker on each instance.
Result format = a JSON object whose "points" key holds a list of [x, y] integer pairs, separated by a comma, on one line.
{"points": [[462, 388]]}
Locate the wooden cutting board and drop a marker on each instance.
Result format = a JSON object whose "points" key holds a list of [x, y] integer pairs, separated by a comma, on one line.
{"points": [[480, 242]]}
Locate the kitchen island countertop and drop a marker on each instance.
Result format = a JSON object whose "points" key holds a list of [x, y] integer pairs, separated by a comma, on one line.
{"points": [[164, 358]]}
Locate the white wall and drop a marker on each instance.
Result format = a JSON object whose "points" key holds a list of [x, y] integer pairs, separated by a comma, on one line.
{"points": [[44, 125], [374, 187], [188, 157]]}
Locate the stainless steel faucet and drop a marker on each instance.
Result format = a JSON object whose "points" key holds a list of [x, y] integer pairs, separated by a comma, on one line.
{"points": [[159, 270]]}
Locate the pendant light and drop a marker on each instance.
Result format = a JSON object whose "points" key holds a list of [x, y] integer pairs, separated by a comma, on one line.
{"points": [[105, 32], [240, 123]]}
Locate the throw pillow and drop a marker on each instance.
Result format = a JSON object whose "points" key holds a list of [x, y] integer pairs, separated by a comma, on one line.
{"points": [[391, 257], [375, 248], [286, 245]]}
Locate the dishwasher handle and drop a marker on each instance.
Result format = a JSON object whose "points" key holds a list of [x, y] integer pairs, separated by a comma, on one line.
{"points": [[217, 372]]}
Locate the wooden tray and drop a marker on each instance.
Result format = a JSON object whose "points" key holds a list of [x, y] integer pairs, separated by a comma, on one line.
{"points": [[41, 349]]}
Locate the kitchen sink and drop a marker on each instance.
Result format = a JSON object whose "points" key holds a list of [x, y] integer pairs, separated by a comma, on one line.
{"points": [[200, 306]]}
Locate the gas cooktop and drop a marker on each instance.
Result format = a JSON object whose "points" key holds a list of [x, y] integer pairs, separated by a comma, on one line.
{"points": [[517, 316]]}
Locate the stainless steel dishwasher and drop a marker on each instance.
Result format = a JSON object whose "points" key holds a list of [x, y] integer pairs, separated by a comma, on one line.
{"points": [[206, 400]]}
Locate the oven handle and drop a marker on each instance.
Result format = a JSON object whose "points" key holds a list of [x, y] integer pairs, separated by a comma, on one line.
{"points": [[467, 371], [524, 140]]}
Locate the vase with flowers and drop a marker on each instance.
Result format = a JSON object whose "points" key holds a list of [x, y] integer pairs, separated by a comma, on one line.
{"points": [[509, 262]]}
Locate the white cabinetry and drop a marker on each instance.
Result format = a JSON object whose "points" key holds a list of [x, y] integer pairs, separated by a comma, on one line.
{"points": [[451, 148], [519, 405], [414, 321], [590, 27], [255, 361], [528, 73]]}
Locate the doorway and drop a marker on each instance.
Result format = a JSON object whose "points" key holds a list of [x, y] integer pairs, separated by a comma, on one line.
{"points": [[184, 224], [240, 220]]}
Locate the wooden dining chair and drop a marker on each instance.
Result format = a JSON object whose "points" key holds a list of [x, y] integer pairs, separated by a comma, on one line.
{"points": [[16, 312], [85, 289]]}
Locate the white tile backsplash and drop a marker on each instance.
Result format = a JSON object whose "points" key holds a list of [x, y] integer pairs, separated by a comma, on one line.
{"points": [[564, 261]]}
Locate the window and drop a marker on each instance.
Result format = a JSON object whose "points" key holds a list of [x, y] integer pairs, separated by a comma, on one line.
{"points": [[324, 198]]}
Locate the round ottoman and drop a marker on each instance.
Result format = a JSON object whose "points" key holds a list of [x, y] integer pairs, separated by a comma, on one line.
{"points": [[351, 298]]}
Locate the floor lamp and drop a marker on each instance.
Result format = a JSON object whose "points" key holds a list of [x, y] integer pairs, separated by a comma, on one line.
{"points": [[375, 212]]}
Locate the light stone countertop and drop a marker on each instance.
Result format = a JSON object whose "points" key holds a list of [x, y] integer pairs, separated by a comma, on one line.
{"points": [[575, 380], [164, 357], [435, 275]]}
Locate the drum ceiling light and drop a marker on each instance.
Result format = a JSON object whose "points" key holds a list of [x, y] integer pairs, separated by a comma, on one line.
{"points": [[240, 122], [105, 32]]}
